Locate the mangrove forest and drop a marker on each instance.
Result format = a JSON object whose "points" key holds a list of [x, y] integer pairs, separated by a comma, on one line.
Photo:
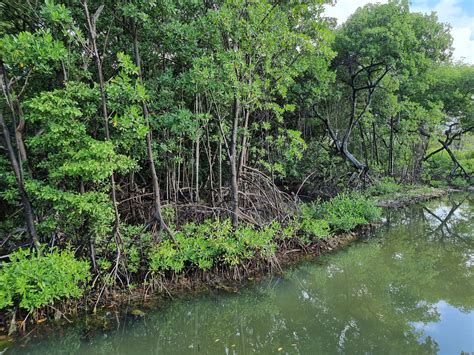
{"points": [[155, 149]]}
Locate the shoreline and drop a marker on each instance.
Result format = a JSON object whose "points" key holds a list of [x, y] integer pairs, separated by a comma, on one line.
{"points": [[195, 280], [137, 302], [410, 197]]}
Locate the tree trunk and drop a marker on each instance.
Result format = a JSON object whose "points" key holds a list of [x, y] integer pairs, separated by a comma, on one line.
{"points": [[363, 145], [93, 37], [149, 148], [233, 165], [198, 111], [28, 209], [14, 105], [243, 152], [375, 148], [390, 152], [220, 165]]}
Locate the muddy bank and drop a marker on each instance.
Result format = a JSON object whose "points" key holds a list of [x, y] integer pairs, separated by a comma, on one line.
{"points": [[410, 197], [159, 290], [162, 288], [227, 278]]}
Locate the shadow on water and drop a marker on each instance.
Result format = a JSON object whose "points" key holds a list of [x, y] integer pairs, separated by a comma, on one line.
{"points": [[406, 289]]}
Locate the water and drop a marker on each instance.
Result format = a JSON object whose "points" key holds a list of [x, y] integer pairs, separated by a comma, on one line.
{"points": [[407, 289]]}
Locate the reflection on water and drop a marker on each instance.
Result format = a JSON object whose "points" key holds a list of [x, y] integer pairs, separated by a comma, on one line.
{"points": [[453, 329], [407, 289]]}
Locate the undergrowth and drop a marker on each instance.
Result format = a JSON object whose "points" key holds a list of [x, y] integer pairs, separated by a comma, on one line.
{"points": [[30, 280]]}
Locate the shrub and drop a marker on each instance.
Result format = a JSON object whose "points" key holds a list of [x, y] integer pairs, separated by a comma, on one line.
{"points": [[212, 243], [215, 243], [31, 281], [345, 211], [459, 182], [166, 256], [385, 186], [195, 245], [234, 250], [311, 223], [437, 183], [317, 227], [136, 241], [260, 241]]}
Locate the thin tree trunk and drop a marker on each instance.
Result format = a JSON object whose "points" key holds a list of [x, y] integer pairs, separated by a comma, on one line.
{"points": [[363, 145], [91, 21], [28, 209], [233, 165], [220, 166], [243, 152], [18, 128], [390, 152], [154, 177], [375, 148], [90, 238], [198, 111], [197, 169], [210, 162]]}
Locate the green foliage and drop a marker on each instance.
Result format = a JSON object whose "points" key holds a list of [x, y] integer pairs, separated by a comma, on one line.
{"points": [[32, 50], [314, 226], [452, 86], [136, 242], [72, 210], [459, 182], [438, 168], [214, 243], [166, 256], [391, 34], [384, 186], [286, 150], [71, 151], [345, 211], [312, 223], [259, 241], [31, 281]]}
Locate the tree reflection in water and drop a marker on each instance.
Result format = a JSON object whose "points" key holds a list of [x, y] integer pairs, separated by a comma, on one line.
{"points": [[373, 297], [452, 221]]}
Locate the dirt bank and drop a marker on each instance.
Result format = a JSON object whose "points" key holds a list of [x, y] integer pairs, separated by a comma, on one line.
{"points": [[410, 197]]}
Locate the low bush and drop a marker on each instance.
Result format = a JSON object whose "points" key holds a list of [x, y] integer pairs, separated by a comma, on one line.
{"points": [[30, 280], [345, 211], [312, 223], [212, 243], [385, 186], [460, 182]]}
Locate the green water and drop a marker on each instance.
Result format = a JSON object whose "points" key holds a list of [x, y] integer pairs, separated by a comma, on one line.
{"points": [[409, 288]]}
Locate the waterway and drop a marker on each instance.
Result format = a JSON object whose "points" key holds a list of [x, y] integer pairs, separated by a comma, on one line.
{"points": [[407, 288]]}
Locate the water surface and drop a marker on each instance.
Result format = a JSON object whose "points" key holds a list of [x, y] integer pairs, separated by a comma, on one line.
{"points": [[408, 288]]}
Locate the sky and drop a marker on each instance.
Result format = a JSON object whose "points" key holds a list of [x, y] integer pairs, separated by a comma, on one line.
{"points": [[458, 13]]}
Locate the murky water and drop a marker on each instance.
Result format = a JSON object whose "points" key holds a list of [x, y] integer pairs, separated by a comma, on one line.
{"points": [[407, 289]]}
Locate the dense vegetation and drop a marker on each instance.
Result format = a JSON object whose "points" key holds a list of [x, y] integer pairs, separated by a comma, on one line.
{"points": [[144, 138]]}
